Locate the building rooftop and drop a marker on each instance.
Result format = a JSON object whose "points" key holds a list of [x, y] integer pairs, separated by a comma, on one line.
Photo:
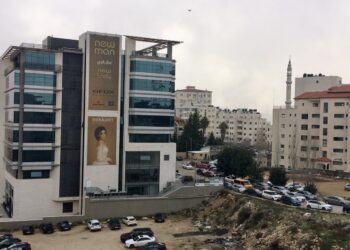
{"points": [[193, 89], [342, 91]]}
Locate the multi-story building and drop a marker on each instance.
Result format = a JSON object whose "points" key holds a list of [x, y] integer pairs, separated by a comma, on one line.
{"points": [[85, 114], [313, 133], [190, 99]]}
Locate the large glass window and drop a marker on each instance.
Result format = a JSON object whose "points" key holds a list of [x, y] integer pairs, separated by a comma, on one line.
{"points": [[151, 103], [35, 136], [31, 155], [151, 120], [149, 138], [152, 67], [35, 117], [36, 79], [152, 85], [40, 60], [36, 174], [36, 98]]}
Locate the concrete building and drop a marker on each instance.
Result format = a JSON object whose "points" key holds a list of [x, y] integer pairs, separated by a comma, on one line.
{"points": [[83, 114], [313, 133], [190, 99]]}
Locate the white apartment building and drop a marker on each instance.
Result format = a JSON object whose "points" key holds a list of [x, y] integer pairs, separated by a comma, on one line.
{"points": [[190, 99], [244, 125], [313, 133]]}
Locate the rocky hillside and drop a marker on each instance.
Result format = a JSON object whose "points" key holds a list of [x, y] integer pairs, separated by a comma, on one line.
{"points": [[262, 224]]}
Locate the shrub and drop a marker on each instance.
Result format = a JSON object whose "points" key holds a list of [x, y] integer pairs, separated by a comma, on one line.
{"points": [[243, 215], [311, 187], [278, 176]]}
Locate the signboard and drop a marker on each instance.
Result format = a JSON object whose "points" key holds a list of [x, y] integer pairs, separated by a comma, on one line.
{"points": [[101, 148], [104, 72]]}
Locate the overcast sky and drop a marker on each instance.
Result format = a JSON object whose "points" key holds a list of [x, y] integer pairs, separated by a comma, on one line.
{"points": [[237, 49]]}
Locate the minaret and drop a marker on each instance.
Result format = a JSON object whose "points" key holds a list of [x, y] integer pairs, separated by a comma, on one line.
{"points": [[289, 85]]}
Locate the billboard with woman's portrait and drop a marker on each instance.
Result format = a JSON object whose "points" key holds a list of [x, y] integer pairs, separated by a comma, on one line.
{"points": [[101, 148]]}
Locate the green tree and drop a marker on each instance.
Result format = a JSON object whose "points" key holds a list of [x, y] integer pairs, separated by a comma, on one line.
{"points": [[212, 141], [238, 161], [204, 124], [223, 127], [311, 187], [192, 136], [278, 176]]}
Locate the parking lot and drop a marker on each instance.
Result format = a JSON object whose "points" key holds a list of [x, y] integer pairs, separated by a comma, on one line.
{"points": [[79, 238]]}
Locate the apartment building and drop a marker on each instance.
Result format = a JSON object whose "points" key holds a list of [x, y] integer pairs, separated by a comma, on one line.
{"points": [[82, 114], [313, 133]]}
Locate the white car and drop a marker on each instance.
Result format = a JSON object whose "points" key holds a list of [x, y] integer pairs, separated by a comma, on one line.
{"points": [[272, 195], [94, 225], [319, 205], [139, 241], [295, 185], [187, 166], [129, 221]]}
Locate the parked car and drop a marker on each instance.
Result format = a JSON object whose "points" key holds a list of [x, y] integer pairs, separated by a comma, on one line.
{"points": [[5, 236], [139, 240], [294, 186], [20, 246], [243, 182], [159, 218], [187, 179], [135, 232], [113, 224], [347, 187], [299, 197], [8, 242], [253, 191], [335, 200], [209, 173], [272, 195], [64, 225], [94, 225], [346, 207], [288, 200], [261, 186], [318, 205], [187, 166], [153, 246], [237, 188], [46, 228], [129, 221], [179, 158], [278, 189], [307, 194], [27, 229]]}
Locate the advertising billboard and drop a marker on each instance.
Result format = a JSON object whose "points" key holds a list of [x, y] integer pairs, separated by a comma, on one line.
{"points": [[104, 72], [102, 139]]}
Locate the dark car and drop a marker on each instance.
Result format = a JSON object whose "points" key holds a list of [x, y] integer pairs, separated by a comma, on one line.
{"points": [[159, 218], [5, 236], [20, 246], [64, 225], [288, 200], [334, 200], [113, 224], [8, 242], [346, 207], [27, 229], [153, 246], [253, 191], [135, 232], [46, 228], [187, 178]]}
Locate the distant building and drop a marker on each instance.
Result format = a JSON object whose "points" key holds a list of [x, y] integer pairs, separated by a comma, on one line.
{"points": [[313, 133]]}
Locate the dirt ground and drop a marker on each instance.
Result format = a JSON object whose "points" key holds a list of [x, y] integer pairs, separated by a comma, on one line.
{"points": [[325, 186], [79, 238]]}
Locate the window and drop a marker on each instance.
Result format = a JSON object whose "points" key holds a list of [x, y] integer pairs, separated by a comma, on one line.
{"points": [[324, 153], [36, 98], [151, 103], [67, 207], [315, 126], [337, 163], [151, 121], [282, 157], [303, 127], [315, 115], [324, 143], [283, 136], [152, 67], [314, 148], [282, 145], [152, 85], [34, 136], [303, 137], [325, 120], [315, 137], [166, 157], [325, 107], [36, 117], [149, 138], [303, 148], [338, 150], [36, 79], [338, 138], [339, 104], [283, 125], [325, 131], [36, 174], [315, 104], [338, 127], [338, 115], [304, 116]]}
